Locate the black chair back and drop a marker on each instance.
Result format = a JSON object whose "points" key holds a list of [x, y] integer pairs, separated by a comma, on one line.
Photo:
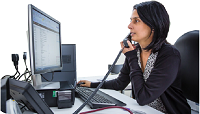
{"points": [[188, 46]]}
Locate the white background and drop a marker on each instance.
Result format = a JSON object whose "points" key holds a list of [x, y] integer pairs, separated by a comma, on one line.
{"points": [[96, 27]]}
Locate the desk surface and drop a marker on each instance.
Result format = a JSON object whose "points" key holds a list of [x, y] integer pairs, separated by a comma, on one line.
{"points": [[131, 103]]}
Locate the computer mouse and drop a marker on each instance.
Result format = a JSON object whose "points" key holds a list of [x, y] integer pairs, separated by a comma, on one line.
{"points": [[80, 84]]}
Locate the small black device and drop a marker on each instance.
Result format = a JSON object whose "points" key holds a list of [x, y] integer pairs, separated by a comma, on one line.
{"points": [[64, 99], [128, 37]]}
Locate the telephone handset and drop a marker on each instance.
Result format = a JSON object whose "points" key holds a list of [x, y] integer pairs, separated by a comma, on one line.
{"points": [[128, 37]]}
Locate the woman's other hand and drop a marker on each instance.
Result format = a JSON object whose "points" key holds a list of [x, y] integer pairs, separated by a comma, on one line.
{"points": [[85, 83]]}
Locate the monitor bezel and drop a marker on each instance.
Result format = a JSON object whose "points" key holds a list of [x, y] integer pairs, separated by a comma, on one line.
{"points": [[31, 41]]}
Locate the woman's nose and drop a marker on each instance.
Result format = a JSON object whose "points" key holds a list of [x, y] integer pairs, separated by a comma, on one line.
{"points": [[130, 26]]}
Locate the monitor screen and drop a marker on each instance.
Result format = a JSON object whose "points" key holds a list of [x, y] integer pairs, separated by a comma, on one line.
{"points": [[44, 42]]}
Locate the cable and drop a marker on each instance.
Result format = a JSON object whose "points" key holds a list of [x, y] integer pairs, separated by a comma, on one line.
{"points": [[14, 74], [16, 67], [107, 108], [29, 77], [9, 76], [24, 74], [99, 86], [46, 79], [26, 71]]}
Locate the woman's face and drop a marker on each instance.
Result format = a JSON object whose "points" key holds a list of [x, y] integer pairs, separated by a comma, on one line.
{"points": [[140, 32]]}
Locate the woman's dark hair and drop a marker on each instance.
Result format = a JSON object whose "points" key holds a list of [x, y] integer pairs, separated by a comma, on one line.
{"points": [[156, 17]]}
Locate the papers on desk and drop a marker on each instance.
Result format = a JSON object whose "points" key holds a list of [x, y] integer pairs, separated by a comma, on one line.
{"points": [[12, 107]]}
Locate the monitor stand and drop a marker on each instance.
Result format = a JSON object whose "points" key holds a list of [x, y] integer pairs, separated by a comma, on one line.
{"points": [[39, 85], [36, 79]]}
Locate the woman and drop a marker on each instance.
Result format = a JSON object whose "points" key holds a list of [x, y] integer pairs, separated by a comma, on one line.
{"points": [[153, 64]]}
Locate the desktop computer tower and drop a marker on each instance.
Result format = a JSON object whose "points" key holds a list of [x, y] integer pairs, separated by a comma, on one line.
{"points": [[66, 77]]}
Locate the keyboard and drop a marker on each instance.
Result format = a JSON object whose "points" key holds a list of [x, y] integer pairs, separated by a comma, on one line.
{"points": [[100, 99]]}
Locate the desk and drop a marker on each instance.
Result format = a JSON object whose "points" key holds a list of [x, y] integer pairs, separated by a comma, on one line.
{"points": [[130, 103]]}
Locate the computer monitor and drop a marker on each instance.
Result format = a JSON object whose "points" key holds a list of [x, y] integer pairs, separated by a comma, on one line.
{"points": [[44, 42]]}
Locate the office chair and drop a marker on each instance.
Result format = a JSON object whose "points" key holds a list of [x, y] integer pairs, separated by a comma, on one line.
{"points": [[188, 46], [116, 69]]}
